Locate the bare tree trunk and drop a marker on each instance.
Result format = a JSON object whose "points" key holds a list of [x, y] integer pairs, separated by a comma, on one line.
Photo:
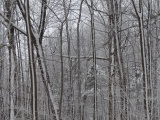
{"points": [[37, 41], [95, 115], [1, 79], [139, 15], [61, 59], [66, 12], [12, 57], [149, 73], [79, 69], [120, 62], [112, 60], [156, 109], [32, 65]]}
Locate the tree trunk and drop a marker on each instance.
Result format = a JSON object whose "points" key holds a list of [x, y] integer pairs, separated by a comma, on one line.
{"points": [[111, 61], [95, 114], [61, 59], [32, 65], [12, 57], [139, 15], [78, 56]]}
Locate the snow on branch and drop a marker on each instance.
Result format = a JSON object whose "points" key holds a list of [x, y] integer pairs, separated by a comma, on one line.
{"points": [[4, 44], [85, 57]]}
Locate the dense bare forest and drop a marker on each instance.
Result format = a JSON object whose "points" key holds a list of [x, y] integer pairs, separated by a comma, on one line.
{"points": [[79, 59]]}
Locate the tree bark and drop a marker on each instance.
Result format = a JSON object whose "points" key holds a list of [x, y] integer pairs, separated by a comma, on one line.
{"points": [[12, 57], [143, 58], [61, 59], [31, 64]]}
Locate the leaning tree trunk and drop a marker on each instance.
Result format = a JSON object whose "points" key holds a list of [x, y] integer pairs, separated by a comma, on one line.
{"points": [[37, 41]]}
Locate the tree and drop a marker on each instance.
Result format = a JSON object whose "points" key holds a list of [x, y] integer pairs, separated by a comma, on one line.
{"points": [[10, 7], [139, 15]]}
